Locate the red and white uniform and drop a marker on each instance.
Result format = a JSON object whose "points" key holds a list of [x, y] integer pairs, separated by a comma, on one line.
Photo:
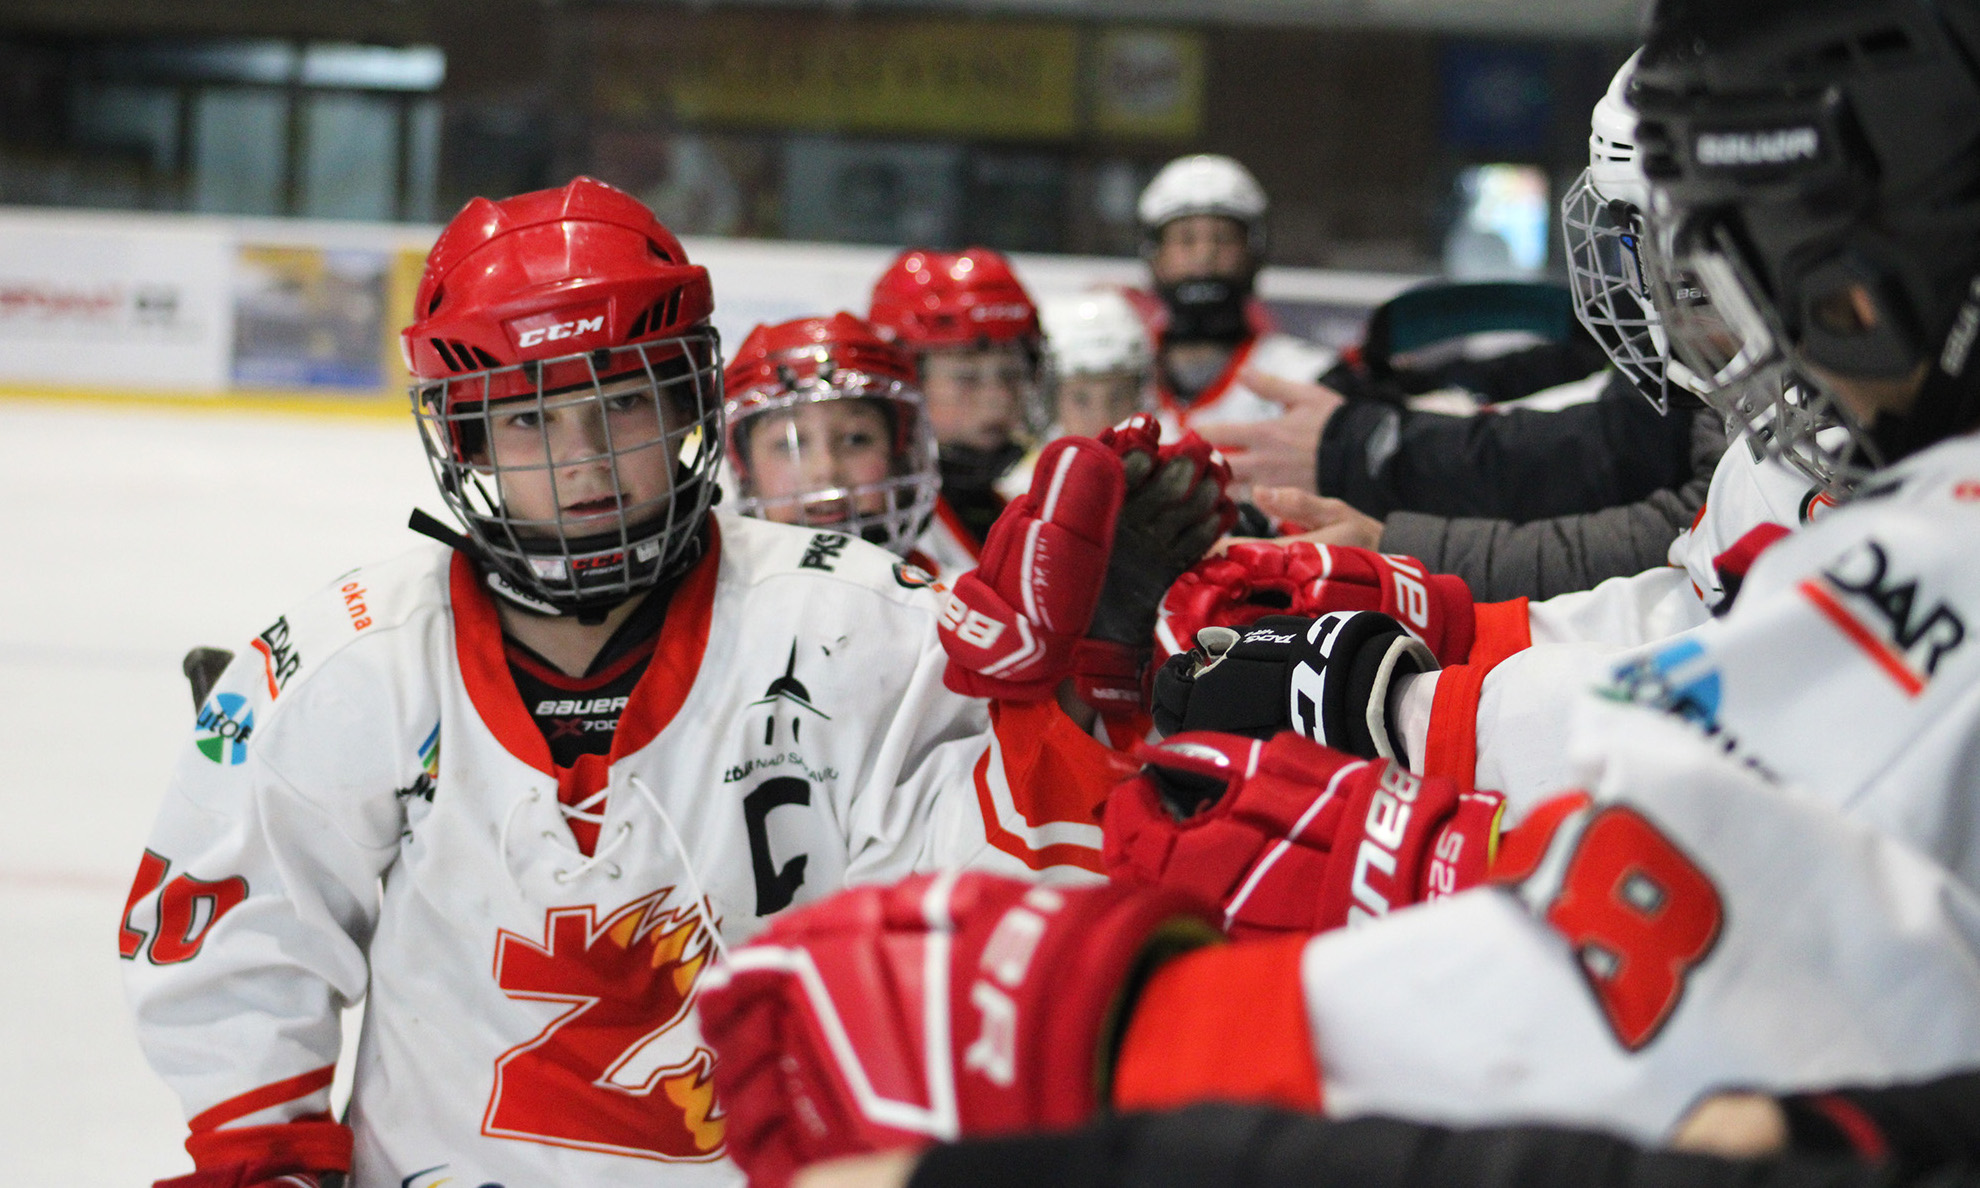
{"points": [[367, 810], [1847, 666], [1227, 401]]}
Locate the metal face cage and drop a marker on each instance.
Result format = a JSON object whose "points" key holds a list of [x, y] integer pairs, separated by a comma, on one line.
{"points": [[1606, 246], [590, 488]]}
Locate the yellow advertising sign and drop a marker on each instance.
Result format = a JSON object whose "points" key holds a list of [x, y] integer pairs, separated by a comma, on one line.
{"points": [[819, 72]]}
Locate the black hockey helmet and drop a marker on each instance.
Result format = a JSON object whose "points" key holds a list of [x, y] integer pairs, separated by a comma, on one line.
{"points": [[1815, 166]]}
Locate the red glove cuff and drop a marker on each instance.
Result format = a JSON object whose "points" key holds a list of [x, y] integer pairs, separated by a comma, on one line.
{"points": [[239, 1157]]}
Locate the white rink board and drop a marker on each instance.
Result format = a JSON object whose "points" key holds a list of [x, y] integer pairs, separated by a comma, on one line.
{"points": [[137, 535], [130, 302]]}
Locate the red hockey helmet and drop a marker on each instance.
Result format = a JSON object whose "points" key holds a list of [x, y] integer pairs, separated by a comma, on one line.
{"points": [[573, 303], [931, 300], [796, 444]]}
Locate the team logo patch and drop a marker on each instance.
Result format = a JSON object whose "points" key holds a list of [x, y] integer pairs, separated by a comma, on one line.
{"points": [[1885, 615], [429, 769], [822, 551], [224, 725], [1679, 680], [910, 576]]}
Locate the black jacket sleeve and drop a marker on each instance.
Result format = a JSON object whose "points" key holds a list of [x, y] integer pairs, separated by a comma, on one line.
{"points": [[1916, 1127], [1501, 559], [1517, 465], [1222, 1146]]}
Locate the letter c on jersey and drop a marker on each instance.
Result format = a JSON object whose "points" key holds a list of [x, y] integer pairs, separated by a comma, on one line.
{"points": [[775, 886]]}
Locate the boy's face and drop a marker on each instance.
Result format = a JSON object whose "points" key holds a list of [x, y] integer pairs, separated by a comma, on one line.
{"points": [[581, 463], [1092, 402], [976, 395], [821, 446], [1197, 247]]}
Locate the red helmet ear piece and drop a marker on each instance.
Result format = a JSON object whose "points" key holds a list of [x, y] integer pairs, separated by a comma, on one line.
{"points": [[932, 300]]}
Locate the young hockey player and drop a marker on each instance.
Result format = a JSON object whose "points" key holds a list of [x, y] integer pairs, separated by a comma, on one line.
{"points": [[517, 793], [973, 333], [1203, 234], [826, 429]]}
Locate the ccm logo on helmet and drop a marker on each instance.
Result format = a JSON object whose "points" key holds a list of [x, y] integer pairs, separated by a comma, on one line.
{"points": [[999, 313], [541, 334]]}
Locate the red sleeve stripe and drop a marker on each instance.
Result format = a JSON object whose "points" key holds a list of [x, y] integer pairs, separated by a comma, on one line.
{"points": [[256, 1100], [1879, 652], [1858, 1127], [1503, 628], [1451, 750]]}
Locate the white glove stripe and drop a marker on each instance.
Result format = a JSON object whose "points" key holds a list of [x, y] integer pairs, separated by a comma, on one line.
{"points": [[1027, 574], [1279, 847], [1022, 656], [1059, 473]]}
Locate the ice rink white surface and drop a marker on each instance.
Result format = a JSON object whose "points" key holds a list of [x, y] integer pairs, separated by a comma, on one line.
{"points": [[132, 535]]}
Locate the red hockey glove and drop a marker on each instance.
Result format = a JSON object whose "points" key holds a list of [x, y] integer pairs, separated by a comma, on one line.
{"points": [[1121, 512], [1733, 564], [301, 1154], [940, 1007], [1290, 836], [1251, 580], [1327, 678]]}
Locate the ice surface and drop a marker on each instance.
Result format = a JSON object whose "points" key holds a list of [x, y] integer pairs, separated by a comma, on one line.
{"points": [[130, 535]]}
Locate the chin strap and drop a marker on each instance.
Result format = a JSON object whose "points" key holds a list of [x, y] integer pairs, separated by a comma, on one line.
{"points": [[427, 525]]}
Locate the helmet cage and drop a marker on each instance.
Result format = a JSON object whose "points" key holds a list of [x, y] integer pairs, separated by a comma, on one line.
{"points": [[1722, 327], [898, 507], [596, 560], [1606, 248]]}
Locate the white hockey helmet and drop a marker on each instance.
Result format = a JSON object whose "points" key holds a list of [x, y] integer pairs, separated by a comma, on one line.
{"points": [[1097, 331], [1204, 183]]}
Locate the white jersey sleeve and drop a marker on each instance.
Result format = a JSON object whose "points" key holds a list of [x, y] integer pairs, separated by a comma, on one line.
{"points": [[1747, 490], [257, 894]]}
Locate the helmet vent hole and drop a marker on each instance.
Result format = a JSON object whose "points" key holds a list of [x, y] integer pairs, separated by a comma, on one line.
{"points": [[447, 355], [639, 323], [658, 252], [669, 310], [439, 295], [480, 356]]}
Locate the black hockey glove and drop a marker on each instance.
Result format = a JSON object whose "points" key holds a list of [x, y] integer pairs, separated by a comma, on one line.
{"points": [[1327, 678]]}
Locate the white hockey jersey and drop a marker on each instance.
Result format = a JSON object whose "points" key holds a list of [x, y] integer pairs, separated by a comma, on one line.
{"points": [[1228, 401], [367, 810], [1845, 667], [1697, 928]]}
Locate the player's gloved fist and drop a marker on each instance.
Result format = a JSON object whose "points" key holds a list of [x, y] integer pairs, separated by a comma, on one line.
{"points": [[940, 1007], [1327, 678], [1251, 580], [1289, 836], [1176, 508], [1012, 626]]}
